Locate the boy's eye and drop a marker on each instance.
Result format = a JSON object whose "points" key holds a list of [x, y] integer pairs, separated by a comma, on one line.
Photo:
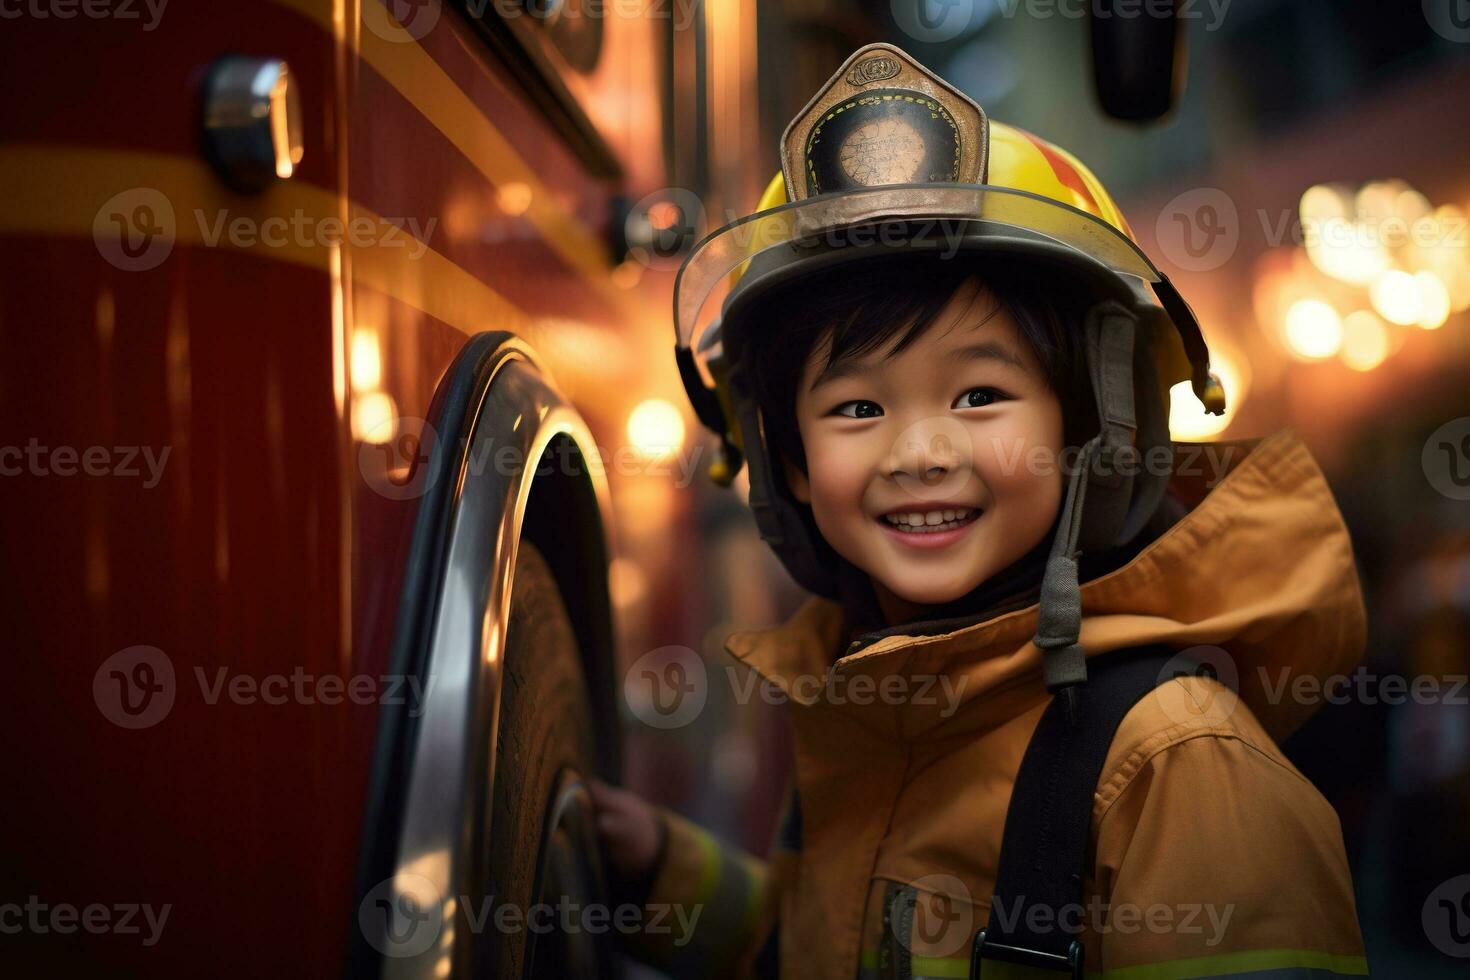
{"points": [[859, 409], [978, 398]]}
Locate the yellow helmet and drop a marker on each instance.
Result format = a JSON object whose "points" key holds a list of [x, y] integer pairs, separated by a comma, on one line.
{"points": [[887, 145]]}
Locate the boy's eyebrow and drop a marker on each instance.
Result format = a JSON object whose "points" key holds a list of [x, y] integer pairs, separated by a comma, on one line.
{"points": [[984, 350], [990, 350], [846, 368]]}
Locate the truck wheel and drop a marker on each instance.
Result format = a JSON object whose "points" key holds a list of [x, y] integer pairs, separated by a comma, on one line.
{"points": [[543, 858]]}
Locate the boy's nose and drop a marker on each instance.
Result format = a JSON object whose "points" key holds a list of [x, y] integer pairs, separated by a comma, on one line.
{"points": [[928, 451]]}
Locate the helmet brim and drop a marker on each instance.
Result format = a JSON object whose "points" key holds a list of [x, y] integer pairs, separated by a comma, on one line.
{"points": [[898, 217]]}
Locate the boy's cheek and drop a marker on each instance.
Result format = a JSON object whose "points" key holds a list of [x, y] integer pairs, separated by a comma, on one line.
{"points": [[838, 488], [837, 477], [1021, 456]]}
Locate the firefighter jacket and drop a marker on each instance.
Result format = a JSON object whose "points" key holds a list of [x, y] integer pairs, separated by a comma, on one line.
{"points": [[1210, 854]]}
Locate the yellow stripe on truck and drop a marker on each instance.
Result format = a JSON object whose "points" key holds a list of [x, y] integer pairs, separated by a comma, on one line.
{"points": [[49, 190]]}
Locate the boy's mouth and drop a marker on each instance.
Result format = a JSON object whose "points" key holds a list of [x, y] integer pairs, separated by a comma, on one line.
{"points": [[930, 521]]}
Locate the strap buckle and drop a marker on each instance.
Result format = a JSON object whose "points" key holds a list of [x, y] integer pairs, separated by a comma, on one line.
{"points": [[1071, 963]]}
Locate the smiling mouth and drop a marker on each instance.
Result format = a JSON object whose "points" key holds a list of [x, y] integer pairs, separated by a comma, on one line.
{"points": [[931, 522]]}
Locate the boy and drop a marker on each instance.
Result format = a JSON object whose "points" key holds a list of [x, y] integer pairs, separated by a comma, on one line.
{"points": [[955, 436]]}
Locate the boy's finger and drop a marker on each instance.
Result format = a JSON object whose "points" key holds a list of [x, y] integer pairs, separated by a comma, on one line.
{"points": [[613, 822], [603, 795], [606, 797]]}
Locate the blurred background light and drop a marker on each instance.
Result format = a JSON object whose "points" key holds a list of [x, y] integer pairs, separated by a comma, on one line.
{"points": [[1434, 301], [1365, 341], [1396, 297], [367, 359], [1313, 329], [373, 418], [655, 428], [626, 582]]}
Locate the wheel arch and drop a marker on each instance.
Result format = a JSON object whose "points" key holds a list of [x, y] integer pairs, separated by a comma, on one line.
{"points": [[474, 511]]}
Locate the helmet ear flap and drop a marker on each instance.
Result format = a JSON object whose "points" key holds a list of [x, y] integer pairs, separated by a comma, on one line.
{"points": [[784, 524], [1122, 493]]}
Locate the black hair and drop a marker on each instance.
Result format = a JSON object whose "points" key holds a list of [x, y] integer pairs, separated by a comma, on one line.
{"points": [[863, 305]]}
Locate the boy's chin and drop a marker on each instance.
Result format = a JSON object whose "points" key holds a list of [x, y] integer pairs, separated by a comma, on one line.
{"points": [[928, 590]]}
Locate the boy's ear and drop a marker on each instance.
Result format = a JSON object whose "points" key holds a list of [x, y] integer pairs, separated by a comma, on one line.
{"points": [[801, 489]]}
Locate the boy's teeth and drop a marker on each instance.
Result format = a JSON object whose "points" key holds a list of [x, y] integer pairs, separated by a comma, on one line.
{"points": [[928, 518]]}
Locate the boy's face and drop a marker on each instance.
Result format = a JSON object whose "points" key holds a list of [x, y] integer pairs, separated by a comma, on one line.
{"points": [[949, 429]]}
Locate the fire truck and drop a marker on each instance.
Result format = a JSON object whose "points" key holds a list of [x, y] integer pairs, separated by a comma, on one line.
{"points": [[312, 316]]}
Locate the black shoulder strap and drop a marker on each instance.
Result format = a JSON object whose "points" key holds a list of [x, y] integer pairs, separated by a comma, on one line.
{"points": [[1044, 849]]}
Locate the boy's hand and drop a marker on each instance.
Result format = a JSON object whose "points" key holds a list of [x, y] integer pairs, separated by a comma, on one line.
{"points": [[630, 829]]}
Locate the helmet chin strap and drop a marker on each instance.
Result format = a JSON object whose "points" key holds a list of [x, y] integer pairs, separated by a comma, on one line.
{"points": [[1096, 509]]}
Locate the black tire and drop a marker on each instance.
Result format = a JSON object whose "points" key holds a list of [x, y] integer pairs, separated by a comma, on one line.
{"points": [[537, 853]]}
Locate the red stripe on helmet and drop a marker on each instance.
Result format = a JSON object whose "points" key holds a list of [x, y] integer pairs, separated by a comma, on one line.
{"points": [[1065, 172]]}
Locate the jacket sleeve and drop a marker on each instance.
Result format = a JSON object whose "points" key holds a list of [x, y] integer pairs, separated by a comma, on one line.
{"points": [[712, 908], [1220, 859]]}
